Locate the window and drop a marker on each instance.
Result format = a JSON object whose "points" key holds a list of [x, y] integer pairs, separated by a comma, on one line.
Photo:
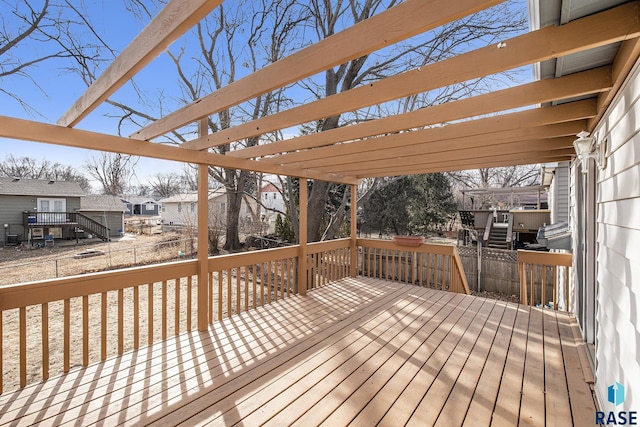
{"points": [[193, 207], [179, 207]]}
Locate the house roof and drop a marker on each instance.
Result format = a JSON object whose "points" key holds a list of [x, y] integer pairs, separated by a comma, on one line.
{"points": [[192, 197], [40, 187], [102, 203], [139, 200], [467, 133], [270, 188]]}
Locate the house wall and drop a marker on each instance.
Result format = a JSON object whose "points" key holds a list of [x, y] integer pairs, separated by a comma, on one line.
{"points": [[172, 215], [114, 220], [12, 207], [559, 197], [617, 236]]}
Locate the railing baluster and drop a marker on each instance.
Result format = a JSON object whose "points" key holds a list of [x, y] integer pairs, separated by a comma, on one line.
{"points": [[177, 306], [85, 330], [103, 327], [543, 274], [211, 290], [136, 317], [23, 346], [533, 290], [150, 313], [45, 343], [164, 310], [254, 282], [220, 297], [229, 292], [189, 302], [246, 287], [238, 293], [120, 321], [555, 287], [67, 332]]}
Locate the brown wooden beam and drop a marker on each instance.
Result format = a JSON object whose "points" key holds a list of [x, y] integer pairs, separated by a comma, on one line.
{"points": [[203, 238], [577, 84], [488, 162], [550, 42], [426, 141], [353, 271], [302, 234], [26, 130], [170, 23], [471, 153], [384, 29]]}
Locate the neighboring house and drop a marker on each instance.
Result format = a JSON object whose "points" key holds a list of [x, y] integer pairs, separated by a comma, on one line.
{"points": [[48, 203], [182, 209], [271, 202], [107, 210], [271, 199], [556, 177], [141, 206]]}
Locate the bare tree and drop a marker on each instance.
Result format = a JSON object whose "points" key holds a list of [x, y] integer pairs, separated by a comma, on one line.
{"points": [[112, 171], [165, 184], [231, 42], [31, 168], [32, 32], [451, 39]]}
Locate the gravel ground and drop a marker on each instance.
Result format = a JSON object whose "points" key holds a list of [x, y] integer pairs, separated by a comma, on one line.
{"points": [[496, 295]]}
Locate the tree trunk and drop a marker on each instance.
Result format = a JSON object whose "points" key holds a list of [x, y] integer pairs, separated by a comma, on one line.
{"points": [[316, 210]]}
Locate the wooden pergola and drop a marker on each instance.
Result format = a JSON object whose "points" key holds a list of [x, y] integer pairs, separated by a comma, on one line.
{"points": [[458, 135]]}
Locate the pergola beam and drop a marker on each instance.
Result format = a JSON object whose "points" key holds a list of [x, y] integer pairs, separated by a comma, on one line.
{"points": [[170, 23], [470, 153], [391, 26], [454, 137], [41, 132], [484, 162], [551, 42], [578, 84]]}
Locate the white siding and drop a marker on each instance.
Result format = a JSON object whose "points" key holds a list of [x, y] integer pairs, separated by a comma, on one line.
{"points": [[618, 249], [560, 210]]}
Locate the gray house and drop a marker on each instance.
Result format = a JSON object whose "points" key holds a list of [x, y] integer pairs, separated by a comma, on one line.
{"points": [[42, 210], [38, 207], [144, 206], [107, 210]]}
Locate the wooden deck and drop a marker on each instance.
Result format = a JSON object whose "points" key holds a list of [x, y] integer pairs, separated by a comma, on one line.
{"points": [[360, 351]]}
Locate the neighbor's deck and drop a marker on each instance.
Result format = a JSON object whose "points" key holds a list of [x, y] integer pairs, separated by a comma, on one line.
{"points": [[360, 351]]}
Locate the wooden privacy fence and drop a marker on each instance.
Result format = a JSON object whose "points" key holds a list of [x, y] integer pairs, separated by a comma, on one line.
{"points": [[434, 266], [537, 270]]}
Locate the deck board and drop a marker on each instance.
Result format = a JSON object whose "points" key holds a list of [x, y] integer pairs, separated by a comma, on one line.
{"points": [[361, 351]]}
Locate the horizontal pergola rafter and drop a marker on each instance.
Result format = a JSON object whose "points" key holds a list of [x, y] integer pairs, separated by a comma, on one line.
{"points": [[453, 137], [481, 163], [470, 152]]}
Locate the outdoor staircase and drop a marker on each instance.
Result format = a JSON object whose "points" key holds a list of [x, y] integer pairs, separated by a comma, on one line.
{"points": [[498, 236], [91, 226]]}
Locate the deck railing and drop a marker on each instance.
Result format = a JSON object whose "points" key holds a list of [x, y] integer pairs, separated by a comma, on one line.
{"points": [[539, 276], [242, 281], [327, 262], [434, 266], [74, 321], [103, 314]]}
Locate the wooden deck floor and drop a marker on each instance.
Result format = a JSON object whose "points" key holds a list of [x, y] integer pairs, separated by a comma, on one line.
{"points": [[360, 352]]}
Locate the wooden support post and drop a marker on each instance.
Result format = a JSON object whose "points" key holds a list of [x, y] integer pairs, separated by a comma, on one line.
{"points": [[354, 232], [203, 237], [302, 223]]}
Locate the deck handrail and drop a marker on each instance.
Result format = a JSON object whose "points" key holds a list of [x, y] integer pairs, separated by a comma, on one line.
{"points": [[127, 304], [541, 262], [435, 265]]}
